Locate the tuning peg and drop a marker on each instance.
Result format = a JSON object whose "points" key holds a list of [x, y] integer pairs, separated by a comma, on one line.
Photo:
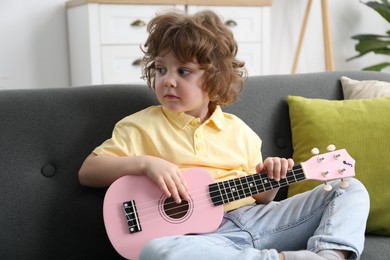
{"points": [[331, 148], [344, 184], [327, 187], [341, 171], [315, 151]]}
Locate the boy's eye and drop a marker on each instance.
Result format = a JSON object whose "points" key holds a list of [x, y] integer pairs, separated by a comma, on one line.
{"points": [[161, 70], [184, 72]]}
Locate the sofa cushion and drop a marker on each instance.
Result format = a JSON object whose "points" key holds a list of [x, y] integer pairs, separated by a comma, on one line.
{"points": [[360, 89], [359, 126]]}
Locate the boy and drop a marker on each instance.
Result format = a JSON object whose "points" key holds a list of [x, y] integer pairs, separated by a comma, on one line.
{"points": [[190, 63]]}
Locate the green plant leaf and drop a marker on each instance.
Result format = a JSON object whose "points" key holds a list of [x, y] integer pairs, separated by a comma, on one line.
{"points": [[378, 67], [370, 36], [371, 44], [382, 8], [378, 44], [385, 51]]}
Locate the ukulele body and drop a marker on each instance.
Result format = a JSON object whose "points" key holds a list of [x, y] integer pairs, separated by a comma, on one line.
{"points": [[157, 215]]}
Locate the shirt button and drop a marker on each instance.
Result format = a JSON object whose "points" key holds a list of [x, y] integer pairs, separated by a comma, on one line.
{"points": [[199, 147], [197, 135], [194, 123]]}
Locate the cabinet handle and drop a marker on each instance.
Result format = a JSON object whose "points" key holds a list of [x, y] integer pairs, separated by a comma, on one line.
{"points": [[138, 23], [231, 23], [137, 62]]}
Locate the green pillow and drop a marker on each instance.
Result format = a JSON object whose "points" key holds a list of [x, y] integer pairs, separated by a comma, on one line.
{"points": [[362, 127]]}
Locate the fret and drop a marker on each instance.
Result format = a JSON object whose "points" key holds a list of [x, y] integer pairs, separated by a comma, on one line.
{"points": [[255, 179], [233, 190], [225, 197], [298, 172], [228, 190], [290, 177], [293, 173], [274, 184], [246, 186], [240, 189], [258, 183], [283, 182], [252, 184], [266, 182], [215, 194]]}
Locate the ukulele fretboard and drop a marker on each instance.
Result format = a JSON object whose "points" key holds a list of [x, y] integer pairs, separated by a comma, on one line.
{"points": [[239, 188]]}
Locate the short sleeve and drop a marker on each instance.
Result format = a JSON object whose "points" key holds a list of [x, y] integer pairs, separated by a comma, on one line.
{"points": [[255, 156], [119, 144]]}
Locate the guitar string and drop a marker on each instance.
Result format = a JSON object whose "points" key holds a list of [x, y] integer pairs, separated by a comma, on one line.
{"points": [[226, 191], [272, 185], [151, 217], [307, 166], [241, 189]]}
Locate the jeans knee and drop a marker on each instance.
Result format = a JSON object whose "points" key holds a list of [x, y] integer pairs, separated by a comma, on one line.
{"points": [[358, 186], [359, 191]]}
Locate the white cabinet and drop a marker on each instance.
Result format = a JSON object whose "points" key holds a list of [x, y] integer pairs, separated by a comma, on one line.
{"points": [[105, 39]]}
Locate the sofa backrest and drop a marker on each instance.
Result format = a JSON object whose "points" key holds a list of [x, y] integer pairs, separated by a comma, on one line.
{"points": [[45, 136], [47, 133]]}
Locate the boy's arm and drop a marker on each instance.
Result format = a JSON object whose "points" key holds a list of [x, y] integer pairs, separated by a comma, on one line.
{"points": [[102, 170]]}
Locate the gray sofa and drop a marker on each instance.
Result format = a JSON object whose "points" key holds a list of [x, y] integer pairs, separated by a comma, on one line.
{"points": [[47, 133]]}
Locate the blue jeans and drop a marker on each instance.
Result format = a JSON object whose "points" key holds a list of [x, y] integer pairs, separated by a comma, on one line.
{"points": [[315, 220]]}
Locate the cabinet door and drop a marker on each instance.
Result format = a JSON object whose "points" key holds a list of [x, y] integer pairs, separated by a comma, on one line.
{"points": [[245, 22], [121, 64], [126, 24]]}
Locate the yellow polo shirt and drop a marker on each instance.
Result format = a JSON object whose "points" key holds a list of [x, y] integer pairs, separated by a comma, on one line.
{"points": [[224, 145]]}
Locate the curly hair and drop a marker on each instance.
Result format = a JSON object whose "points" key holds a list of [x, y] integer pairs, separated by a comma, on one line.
{"points": [[203, 38]]}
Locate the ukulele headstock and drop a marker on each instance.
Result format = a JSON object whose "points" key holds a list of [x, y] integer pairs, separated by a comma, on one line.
{"points": [[335, 164]]}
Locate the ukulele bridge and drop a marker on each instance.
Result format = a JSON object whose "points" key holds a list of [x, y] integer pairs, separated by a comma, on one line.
{"points": [[131, 214]]}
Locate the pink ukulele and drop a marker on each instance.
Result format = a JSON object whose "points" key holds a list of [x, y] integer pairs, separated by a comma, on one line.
{"points": [[135, 210]]}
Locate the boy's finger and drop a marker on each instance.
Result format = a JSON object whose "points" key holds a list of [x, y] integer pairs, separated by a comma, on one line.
{"points": [[182, 187]]}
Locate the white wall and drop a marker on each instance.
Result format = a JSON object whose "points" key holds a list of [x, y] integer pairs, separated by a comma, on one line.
{"points": [[33, 44], [34, 49], [347, 17]]}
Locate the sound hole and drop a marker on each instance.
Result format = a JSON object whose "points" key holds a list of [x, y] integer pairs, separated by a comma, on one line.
{"points": [[174, 210]]}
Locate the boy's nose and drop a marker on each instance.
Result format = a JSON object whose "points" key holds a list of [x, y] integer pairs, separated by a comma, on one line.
{"points": [[170, 80]]}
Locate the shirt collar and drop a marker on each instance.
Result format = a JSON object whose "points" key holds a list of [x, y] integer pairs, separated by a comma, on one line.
{"points": [[218, 118], [182, 119]]}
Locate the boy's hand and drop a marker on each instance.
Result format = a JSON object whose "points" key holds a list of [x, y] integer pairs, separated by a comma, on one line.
{"points": [[275, 167], [168, 178]]}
